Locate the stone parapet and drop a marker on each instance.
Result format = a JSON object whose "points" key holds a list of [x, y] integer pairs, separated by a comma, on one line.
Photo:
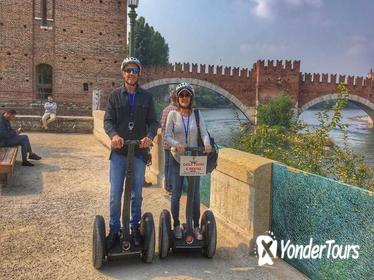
{"points": [[240, 194], [62, 124], [98, 129]]}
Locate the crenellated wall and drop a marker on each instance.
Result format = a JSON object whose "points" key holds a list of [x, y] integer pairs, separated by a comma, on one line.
{"points": [[236, 81], [316, 86], [267, 78]]}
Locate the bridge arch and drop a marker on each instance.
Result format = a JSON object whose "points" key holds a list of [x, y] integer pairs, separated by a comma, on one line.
{"points": [[363, 103], [244, 109]]}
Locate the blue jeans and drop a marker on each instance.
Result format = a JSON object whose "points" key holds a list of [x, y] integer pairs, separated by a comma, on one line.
{"points": [[177, 187], [23, 141], [167, 170], [118, 168]]}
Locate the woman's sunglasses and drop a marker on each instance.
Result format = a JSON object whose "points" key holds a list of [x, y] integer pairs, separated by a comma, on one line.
{"points": [[132, 70], [184, 95]]}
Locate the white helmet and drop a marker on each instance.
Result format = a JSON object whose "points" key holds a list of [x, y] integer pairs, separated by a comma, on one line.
{"points": [[131, 60], [184, 86]]}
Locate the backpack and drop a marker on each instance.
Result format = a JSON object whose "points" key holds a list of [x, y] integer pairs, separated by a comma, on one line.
{"points": [[213, 155]]}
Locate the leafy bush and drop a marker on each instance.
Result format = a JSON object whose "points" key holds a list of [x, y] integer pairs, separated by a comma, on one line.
{"points": [[281, 138]]}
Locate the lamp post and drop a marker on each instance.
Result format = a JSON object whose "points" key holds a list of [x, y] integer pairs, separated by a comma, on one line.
{"points": [[132, 4]]}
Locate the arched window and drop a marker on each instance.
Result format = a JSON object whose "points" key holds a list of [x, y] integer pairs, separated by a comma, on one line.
{"points": [[44, 80]]}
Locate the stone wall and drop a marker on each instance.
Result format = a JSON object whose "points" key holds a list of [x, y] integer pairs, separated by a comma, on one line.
{"points": [[37, 108], [240, 193], [62, 124], [306, 206]]}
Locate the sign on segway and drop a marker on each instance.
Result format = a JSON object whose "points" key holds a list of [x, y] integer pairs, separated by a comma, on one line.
{"points": [[193, 165]]}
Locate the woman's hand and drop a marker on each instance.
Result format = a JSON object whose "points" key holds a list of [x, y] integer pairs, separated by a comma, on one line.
{"points": [[180, 148], [207, 149], [145, 142]]}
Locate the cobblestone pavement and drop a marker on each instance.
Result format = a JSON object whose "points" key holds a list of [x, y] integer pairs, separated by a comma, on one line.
{"points": [[46, 222]]}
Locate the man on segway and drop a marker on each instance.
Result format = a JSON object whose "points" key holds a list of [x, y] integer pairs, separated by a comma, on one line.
{"points": [[130, 115]]}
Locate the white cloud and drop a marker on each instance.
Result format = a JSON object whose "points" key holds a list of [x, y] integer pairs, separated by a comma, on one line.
{"points": [[262, 9], [310, 3], [268, 9]]}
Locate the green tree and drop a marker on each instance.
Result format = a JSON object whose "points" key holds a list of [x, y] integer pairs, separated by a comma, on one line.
{"points": [[278, 112], [150, 46], [308, 149]]}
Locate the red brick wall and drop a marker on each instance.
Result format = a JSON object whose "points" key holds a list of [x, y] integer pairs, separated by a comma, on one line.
{"points": [[85, 43], [315, 85]]}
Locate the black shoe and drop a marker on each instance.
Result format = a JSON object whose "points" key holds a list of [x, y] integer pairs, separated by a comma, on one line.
{"points": [[34, 157], [27, 163], [111, 240], [137, 238], [147, 184]]}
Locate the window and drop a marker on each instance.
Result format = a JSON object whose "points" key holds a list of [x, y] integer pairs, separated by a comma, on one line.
{"points": [[44, 80], [45, 13], [85, 86]]}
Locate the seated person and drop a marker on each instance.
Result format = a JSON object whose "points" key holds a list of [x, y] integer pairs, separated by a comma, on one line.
{"points": [[50, 112], [11, 137]]}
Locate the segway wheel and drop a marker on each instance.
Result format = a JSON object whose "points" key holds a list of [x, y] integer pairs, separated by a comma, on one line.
{"points": [[164, 234], [209, 230], [147, 230], [98, 242]]}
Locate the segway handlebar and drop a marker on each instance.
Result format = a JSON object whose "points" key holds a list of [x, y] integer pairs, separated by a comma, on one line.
{"points": [[132, 142], [194, 149]]}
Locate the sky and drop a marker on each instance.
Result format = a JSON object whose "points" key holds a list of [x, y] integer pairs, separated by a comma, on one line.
{"points": [[328, 36]]}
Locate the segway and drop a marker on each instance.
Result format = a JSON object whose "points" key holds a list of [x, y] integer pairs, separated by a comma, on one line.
{"points": [[167, 240], [126, 246]]}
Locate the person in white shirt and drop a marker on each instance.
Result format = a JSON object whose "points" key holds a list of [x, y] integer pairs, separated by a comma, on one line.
{"points": [[50, 112], [181, 132]]}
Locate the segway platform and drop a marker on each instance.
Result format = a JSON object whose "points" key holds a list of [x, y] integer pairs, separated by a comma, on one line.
{"points": [[182, 245], [117, 250]]}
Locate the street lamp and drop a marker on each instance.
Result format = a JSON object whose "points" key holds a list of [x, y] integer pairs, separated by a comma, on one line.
{"points": [[132, 4]]}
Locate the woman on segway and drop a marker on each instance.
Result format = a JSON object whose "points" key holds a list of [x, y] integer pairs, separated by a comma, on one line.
{"points": [[182, 132]]}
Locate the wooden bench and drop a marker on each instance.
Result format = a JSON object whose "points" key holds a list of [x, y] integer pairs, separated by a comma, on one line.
{"points": [[8, 157]]}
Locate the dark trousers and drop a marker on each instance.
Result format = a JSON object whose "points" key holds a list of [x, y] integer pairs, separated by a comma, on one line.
{"points": [[23, 141], [167, 172], [177, 187]]}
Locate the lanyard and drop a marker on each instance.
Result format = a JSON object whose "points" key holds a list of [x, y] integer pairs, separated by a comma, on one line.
{"points": [[131, 98], [186, 128]]}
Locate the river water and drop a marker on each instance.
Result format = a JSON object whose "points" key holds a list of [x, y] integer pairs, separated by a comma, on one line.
{"points": [[224, 123]]}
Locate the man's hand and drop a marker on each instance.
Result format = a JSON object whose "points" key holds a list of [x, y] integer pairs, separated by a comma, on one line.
{"points": [[180, 148], [117, 142], [145, 142], [207, 149], [18, 131]]}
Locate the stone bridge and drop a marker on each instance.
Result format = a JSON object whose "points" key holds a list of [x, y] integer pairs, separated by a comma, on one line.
{"points": [[248, 87]]}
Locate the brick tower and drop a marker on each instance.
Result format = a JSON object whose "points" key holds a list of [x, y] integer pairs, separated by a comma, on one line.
{"points": [[65, 47]]}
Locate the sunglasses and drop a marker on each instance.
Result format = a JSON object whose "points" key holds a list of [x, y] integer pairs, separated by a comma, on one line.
{"points": [[184, 95], [132, 70]]}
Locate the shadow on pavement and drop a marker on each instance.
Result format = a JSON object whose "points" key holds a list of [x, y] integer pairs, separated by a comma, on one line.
{"points": [[28, 180], [228, 263]]}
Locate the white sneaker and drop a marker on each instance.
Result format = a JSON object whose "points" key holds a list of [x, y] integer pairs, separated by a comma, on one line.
{"points": [[197, 233]]}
